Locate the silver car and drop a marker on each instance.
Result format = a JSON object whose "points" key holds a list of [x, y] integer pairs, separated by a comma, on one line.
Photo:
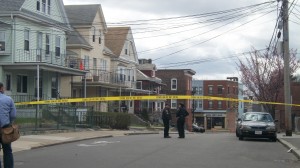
{"points": [[256, 125]]}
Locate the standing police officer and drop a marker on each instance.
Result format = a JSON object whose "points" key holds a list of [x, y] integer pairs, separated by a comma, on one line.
{"points": [[180, 115], [166, 117]]}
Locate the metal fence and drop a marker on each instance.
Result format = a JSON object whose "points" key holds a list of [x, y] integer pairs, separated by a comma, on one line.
{"points": [[49, 117]]}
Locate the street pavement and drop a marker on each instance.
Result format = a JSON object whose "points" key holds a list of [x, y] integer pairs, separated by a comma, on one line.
{"points": [[28, 142]]}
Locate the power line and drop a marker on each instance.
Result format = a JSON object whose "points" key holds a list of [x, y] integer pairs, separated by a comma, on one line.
{"points": [[212, 37]]}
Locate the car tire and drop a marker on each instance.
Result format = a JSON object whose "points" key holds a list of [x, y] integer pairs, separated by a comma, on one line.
{"points": [[236, 133], [274, 139]]}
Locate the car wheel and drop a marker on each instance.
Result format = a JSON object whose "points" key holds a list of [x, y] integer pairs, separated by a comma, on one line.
{"points": [[274, 139], [236, 133]]}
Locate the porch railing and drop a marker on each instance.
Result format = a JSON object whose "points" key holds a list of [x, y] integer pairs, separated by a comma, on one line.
{"points": [[96, 75], [39, 55], [27, 98]]}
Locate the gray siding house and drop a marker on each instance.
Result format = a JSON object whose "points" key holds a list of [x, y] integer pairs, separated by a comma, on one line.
{"points": [[33, 37]]}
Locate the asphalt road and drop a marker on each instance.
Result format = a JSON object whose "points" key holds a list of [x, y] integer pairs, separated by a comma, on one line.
{"points": [[153, 151]]}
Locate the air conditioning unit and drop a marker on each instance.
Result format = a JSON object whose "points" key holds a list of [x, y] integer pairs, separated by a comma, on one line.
{"points": [[297, 124]]}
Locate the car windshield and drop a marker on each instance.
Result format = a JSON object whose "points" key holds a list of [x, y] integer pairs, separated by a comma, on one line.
{"points": [[258, 117]]}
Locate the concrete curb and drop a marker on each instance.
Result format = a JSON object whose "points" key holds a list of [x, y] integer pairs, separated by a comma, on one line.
{"points": [[141, 133], [69, 141], [289, 146]]}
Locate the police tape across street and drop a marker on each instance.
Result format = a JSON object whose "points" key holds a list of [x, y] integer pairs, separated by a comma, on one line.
{"points": [[164, 97]]}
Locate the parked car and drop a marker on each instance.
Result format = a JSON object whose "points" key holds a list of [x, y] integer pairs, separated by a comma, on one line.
{"points": [[197, 128], [256, 125]]}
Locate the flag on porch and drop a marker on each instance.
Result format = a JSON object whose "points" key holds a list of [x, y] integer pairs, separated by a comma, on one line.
{"points": [[81, 67]]}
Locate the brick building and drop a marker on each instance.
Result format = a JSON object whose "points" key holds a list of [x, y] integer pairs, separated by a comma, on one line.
{"points": [[177, 82], [217, 114]]}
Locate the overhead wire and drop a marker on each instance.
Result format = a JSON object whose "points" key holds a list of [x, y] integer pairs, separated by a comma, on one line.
{"points": [[178, 51]]}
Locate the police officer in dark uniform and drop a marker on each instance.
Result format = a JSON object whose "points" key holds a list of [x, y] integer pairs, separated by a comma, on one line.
{"points": [[180, 115], [166, 117]]}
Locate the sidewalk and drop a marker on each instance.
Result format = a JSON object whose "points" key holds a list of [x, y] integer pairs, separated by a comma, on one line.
{"points": [[27, 142], [291, 142]]}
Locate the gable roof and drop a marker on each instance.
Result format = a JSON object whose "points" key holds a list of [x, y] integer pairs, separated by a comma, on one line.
{"points": [[11, 5], [115, 39], [84, 15], [76, 39]]}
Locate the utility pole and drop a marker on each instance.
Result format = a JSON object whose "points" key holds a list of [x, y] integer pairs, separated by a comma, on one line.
{"points": [[286, 57]]}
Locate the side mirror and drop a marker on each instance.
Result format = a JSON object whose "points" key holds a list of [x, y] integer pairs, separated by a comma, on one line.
{"points": [[239, 119]]}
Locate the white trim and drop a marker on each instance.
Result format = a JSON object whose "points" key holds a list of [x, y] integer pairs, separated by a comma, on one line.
{"points": [[172, 83]]}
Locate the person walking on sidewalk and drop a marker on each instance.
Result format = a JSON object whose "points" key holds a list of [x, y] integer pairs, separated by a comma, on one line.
{"points": [[166, 117], [180, 115], [7, 116]]}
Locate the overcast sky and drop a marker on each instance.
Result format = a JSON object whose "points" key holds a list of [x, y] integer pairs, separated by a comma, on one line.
{"points": [[208, 44]]}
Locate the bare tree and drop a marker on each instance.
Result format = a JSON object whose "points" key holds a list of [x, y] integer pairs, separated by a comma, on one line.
{"points": [[262, 74]]}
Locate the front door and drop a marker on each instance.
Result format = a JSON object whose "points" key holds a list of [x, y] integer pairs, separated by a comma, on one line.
{"points": [[7, 84]]}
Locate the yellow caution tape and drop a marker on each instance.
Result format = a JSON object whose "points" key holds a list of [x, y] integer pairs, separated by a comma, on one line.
{"points": [[164, 97]]}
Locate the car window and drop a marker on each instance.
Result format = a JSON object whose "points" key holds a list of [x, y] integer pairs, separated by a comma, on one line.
{"points": [[258, 117]]}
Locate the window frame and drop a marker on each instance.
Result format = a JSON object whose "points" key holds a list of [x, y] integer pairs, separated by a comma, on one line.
{"points": [[57, 46], [210, 104], [140, 83], [26, 39], [47, 44], [176, 83], [3, 40], [210, 89], [173, 103], [20, 86], [220, 89], [8, 81], [220, 104]]}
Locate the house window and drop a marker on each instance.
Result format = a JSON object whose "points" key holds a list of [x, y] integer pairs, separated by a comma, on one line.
{"points": [[57, 46], [95, 67], [94, 36], [210, 89], [220, 89], [173, 104], [54, 87], [129, 74], [195, 90], [8, 82], [210, 104], [100, 37], [139, 85], [2, 41], [47, 44], [103, 64], [21, 84], [219, 104], [49, 7], [173, 84], [26, 40], [38, 5], [86, 62], [44, 6], [200, 90], [200, 104]]}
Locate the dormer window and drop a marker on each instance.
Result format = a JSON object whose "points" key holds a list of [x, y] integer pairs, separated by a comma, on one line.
{"points": [[44, 6]]}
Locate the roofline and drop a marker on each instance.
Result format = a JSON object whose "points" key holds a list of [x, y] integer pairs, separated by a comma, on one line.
{"points": [[76, 46], [35, 19]]}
